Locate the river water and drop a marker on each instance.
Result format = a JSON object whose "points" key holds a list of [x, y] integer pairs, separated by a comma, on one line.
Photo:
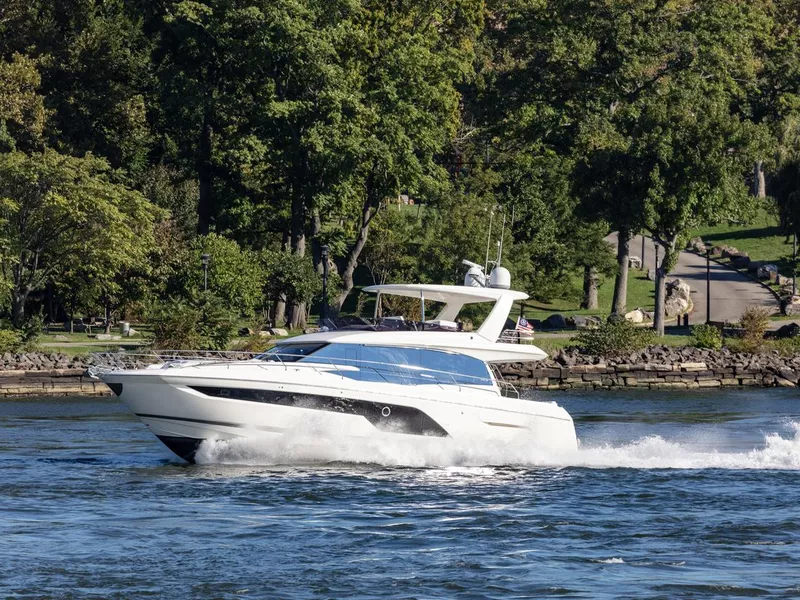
{"points": [[670, 496]]}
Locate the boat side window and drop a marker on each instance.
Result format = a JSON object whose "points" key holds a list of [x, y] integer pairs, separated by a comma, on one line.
{"points": [[290, 352]]}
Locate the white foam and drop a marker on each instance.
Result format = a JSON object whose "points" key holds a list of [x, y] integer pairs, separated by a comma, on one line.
{"points": [[650, 452], [611, 561]]}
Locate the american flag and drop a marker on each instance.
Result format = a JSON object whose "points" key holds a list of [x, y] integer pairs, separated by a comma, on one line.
{"points": [[523, 325]]}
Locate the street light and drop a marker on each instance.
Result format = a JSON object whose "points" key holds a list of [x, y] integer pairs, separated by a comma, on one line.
{"points": [[205, 258], [708, 283], [643, 239], [324, 253]]}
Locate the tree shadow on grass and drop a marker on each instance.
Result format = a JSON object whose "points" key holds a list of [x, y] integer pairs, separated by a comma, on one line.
{"points": [[745, 234]]}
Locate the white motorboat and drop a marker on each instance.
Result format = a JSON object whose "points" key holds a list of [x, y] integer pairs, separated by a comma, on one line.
{"points": [[390, 378]]}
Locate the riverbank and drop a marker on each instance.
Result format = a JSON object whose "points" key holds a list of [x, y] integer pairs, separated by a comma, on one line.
{"points": [[657, 367]]}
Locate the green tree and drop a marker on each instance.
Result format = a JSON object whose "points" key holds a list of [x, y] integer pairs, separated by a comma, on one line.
{"points": [[59, 210], [22, 111], [235, 275]]}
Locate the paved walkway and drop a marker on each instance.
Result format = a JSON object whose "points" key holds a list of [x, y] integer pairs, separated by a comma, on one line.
{"points": [[731, 291]]}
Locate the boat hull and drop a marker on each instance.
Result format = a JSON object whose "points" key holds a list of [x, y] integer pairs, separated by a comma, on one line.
{"points": [[183, 409]]}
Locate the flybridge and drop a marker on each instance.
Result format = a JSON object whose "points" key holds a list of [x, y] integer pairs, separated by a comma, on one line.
{"points": [[454, 298]]}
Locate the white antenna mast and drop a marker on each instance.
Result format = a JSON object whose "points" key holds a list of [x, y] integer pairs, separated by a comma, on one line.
{"points": [[502, 239], [488, 242]]}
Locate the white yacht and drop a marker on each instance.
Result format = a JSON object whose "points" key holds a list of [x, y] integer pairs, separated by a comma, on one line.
{"points": [[388, 378]]}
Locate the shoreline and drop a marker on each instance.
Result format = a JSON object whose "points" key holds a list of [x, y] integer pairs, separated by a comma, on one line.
{"points": [[657, 367]]}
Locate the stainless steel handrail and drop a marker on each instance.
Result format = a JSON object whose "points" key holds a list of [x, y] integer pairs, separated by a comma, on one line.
{"points": [[230, 358]]}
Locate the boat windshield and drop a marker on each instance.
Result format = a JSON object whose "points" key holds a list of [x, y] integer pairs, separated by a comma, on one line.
{"points": [[404, 365]]}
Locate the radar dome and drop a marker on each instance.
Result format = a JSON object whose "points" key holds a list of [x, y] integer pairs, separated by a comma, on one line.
{"points": [[500, 278]]}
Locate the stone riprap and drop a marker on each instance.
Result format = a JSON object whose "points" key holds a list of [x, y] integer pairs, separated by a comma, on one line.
{"points": [[658, 367], [51, 374]]}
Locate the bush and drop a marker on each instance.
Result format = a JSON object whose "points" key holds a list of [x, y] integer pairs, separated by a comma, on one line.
{"points": [[706, 336], [613, 338], [204, 324], [253, 343], [10, 340], [755, 322]]}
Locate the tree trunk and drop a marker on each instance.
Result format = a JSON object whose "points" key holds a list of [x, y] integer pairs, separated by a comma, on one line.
{"points": [[18, 299], [297, 319], [662, 270], [279, 312], [297, 310], [621, 282], [759, 180], [205, 178], [590, 280], [107, 328], [351, 260], [661, 294]]}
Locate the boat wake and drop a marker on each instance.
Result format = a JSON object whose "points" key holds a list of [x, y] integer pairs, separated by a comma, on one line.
{"points": [[650, 452]]}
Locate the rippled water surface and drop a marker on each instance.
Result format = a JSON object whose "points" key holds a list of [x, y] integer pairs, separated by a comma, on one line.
{"points": [[670, 496]]}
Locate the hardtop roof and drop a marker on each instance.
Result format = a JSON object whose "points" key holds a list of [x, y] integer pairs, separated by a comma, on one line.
{"points": [[446, 293]]}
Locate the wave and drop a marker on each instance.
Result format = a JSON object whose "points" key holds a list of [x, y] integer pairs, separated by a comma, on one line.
{"points": [[649, 452]]}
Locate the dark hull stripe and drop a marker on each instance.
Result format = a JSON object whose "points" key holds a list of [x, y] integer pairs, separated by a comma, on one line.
{"points": [[146, 416], [386, 417]]}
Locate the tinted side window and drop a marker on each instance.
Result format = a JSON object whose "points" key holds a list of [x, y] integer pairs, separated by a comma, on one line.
{"points": [[290, 352]]}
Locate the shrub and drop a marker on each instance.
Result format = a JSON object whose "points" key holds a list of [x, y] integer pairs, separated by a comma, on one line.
{"points": [[613, 338], [755, 322], [204, 324], [706, 336], [10, 340], [253, 343], [175, 326]]}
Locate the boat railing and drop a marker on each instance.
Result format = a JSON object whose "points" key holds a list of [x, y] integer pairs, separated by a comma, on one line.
{"points": [[514, 336], [406, 374], [507, 388]]}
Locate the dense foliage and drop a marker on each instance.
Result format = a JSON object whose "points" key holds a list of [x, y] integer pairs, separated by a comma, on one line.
{"points": [[706, 336], [614, 337], [136, 137]]}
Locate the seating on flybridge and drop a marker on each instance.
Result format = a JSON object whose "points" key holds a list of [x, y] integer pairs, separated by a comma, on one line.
{"points": [[477, 288]]}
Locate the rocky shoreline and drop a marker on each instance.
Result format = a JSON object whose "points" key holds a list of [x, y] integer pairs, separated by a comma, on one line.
{"points": [[657, 367]]}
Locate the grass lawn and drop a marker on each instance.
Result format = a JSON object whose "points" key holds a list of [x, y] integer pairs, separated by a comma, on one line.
{"points": [[761, 239], [641, 294]]}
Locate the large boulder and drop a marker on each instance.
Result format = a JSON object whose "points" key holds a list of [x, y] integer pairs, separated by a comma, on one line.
{"points": [[586, 322], [651, 274], [278, 331], [791, 330], [675, 306], [728, 251], [677, 288], [791, 306], [696, 244], [767, 271], [635, 316], [740, 260], [634, 262], [555, 322]]}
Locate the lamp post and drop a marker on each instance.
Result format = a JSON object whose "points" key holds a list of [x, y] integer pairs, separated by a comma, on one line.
{"points": [[324, 253], [794, 264], [205, 258], [708, 284], [643, 239]]}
